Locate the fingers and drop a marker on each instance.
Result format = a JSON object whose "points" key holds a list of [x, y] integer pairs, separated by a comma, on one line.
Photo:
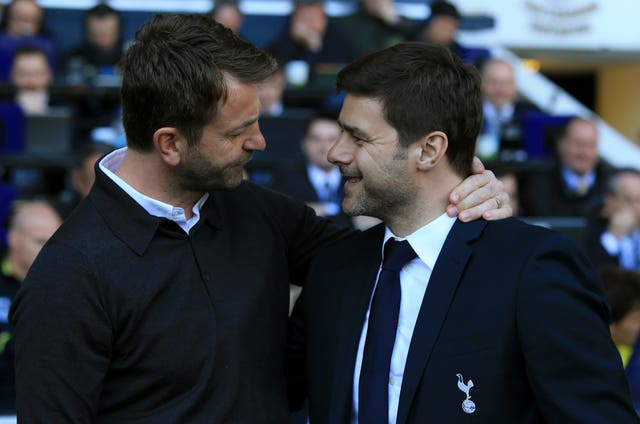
{"points": [[473, 190], [477, 167], [504, 211], [480, 195]]}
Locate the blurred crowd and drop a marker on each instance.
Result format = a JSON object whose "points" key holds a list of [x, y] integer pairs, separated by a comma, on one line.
{"points": [[299, 109]]}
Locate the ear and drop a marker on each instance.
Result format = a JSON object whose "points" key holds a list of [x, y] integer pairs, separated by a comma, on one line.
{"points": [[432, 148], [171, 145]]}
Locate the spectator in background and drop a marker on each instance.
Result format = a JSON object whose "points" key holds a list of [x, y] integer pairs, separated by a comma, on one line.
{"points": [[623, 294], [614, 231], [376, 25], [312, 38], [31, 224], [82, 177], [502, 131], [103, 44], [575, 184], [31, 77], [22, 26], [441, 29], [318, 182], [270, 92], [228, 13], [24, 19]]}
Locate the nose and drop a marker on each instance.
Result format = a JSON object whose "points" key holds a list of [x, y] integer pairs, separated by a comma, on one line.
{"points": [[255, 141], [340, 153]]}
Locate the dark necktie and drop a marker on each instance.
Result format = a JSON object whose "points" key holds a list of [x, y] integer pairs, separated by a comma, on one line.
{"points": [[373, 403]]}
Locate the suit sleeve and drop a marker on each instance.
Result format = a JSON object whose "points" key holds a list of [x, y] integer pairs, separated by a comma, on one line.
{"points": [[62, 339], [573, 367]]}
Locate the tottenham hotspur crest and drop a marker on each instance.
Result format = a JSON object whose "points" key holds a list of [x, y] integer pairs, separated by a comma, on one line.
{"points": [[467, 405]]}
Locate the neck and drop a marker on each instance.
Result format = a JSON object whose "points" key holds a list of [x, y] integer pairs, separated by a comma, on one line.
{"points": [[149, 175], [430, 202]]}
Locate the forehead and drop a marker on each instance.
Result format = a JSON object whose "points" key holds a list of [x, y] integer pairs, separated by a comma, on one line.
{"points": [[629, 184], [321, 124], [242, 103], [582, 130], [25, 8], [498, 69], [361, 109], [102, 21], [31, 60]]}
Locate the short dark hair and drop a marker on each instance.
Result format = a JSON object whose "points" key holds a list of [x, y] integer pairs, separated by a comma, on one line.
{"points": [[100, 11], [623, 290], [173, 74], [422, 88], [443, 8]]}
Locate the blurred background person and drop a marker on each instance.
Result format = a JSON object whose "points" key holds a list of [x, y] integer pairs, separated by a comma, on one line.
{"points": [[31, 78], [317, 181], [228, 13], [310, 37], [623, 294], [376, 25], [441, 28], [103, 43], [82, 177], [23, 25], [271, 92], [575, 184], [501, 136], [32, 223], [24, 18], [614, 230]]}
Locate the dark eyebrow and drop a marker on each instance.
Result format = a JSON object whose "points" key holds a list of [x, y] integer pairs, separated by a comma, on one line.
{"points": [[243, 125], [354, 131]]}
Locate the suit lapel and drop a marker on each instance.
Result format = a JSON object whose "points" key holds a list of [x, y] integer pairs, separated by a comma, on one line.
{"points": [[358, 273], [439, 295]]}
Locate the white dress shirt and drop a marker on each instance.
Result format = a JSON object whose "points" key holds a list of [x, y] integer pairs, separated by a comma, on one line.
{"points": [[112, 162], [626, 248], [574, 180], [414, 278]]}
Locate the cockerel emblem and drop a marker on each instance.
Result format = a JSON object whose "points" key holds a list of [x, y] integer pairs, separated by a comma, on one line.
{"points": [[467, 405]]}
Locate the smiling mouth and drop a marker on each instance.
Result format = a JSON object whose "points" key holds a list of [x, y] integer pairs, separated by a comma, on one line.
{"points": [[351, 180]]}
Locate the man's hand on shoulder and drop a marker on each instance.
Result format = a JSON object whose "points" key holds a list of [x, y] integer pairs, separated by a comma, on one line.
{"points": [[479, 195]]}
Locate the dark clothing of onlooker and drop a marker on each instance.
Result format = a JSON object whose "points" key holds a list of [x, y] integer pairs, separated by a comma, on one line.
{"points": [[91, 55], [546, 193], [336, 49], [369, 33]]}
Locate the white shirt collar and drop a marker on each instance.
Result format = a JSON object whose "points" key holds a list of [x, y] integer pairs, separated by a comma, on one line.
{"points": [[573, 180], [491, 111], [428, 240], [112, 162]]}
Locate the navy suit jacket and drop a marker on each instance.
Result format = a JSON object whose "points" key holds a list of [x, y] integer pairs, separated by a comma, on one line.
{"points": [[516, 309]]}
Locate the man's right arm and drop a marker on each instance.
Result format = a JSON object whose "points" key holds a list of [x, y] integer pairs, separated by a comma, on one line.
{"points": [[62, 339]]}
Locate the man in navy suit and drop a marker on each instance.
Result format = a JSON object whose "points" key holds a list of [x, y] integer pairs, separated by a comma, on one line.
{"points": [[484, 322]]}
